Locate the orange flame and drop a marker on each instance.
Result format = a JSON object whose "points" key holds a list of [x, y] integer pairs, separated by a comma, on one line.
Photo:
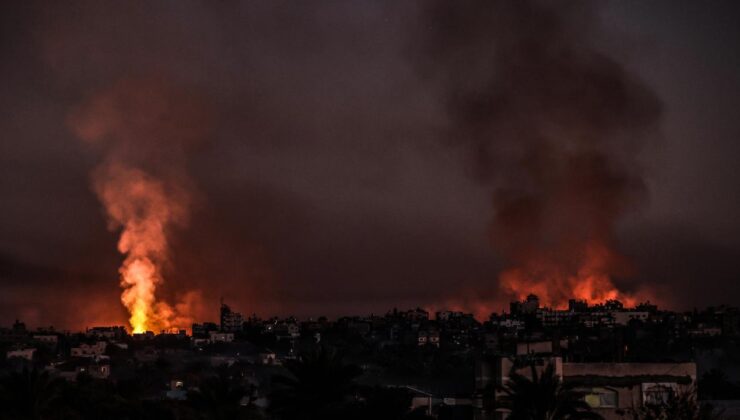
{"points": [[554, 285], [145, 127], [142, 206], [139, 277]]}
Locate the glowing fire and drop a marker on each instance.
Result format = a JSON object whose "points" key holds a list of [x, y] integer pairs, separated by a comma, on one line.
{"points": [[139, 277], [140, 204], [547, 278], [145, 128]]}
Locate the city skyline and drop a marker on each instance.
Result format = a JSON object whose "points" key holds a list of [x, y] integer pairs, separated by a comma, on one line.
{"points": [[369, 210]]}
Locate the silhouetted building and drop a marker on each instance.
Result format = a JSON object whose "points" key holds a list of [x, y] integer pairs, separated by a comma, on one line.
{"points": [[528, 306], [230, 321], [575, 305], [203, 330], [113, 332]]}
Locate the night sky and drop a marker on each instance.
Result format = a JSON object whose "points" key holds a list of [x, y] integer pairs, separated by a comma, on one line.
{"points": [[339, 166]]}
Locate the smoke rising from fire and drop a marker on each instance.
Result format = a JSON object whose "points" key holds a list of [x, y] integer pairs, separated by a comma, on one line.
{"points": [[555, 127], [328, 190], [145, 128]]}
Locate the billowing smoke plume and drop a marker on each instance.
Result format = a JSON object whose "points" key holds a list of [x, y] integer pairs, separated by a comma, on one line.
{"points": [[554, 126], [145, 129]]}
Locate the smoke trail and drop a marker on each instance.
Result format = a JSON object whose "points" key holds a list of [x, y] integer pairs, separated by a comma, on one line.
{"points": [[554, 126], [145, 129]]}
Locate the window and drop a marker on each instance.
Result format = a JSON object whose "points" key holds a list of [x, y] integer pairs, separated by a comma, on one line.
{"points": [[601, 398], [656, 394]]}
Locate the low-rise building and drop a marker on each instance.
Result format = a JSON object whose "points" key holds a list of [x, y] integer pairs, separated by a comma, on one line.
{"points": [[552, 318], [230, 321], [540, 347], [26, 353], [89, 350], [71, 369], [109, 332], [221, 337], [204, 329], [705, 330], [624, 317], [613, 390], [286, 331], [48, 340]]}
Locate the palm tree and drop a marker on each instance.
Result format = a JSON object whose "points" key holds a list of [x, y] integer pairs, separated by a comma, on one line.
{"points": [[30, 394], [543, 397], [319, 387]]}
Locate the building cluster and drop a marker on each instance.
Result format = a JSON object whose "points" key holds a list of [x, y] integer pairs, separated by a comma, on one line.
{"points": [[620, 358]]}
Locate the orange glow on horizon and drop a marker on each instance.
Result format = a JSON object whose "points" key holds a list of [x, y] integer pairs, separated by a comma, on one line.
{"points": [[591, 281]]}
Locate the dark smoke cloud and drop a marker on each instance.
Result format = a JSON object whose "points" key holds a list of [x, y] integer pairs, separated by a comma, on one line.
{"points": [[323, 186], [551, 122]]}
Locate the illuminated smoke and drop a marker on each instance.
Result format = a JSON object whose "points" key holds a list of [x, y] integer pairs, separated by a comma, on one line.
{"points": [[554, 127], [141, 206], [144, 128]]}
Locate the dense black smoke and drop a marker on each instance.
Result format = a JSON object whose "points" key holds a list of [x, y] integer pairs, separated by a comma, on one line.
{"points": [[322, 186], [554, 125]]}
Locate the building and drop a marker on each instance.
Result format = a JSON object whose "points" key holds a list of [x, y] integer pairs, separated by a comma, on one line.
{"points": [[416, 315], [575, 305], [71, 369], [508, 323], [26, 353], [553, 318], [111, 333], [624, 317], [286, 331], [16, 334], [221, 337], [230, 321], [421, 338], [611, 389], [444, 316], [540, 347], [529, 306], [203, 330], [48, 340], [89, 350]]}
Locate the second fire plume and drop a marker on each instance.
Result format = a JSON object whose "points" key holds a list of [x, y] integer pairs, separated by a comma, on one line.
{"points": [[555, 127], [144, 128]]}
